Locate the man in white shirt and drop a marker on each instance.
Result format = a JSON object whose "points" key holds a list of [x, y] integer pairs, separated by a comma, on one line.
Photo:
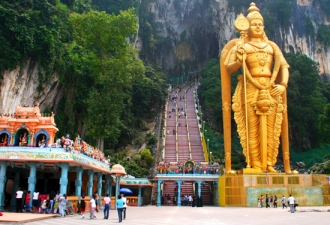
{"points": [[291, 202], [19, 197], [35, 202]]}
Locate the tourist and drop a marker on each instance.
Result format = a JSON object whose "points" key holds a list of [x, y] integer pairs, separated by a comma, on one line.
{"points": [[284, 202], [106, 211], [153, 199], [96, 197], [19, 200], [259, 204], [44, 207], [267, 202], [82, 207], [291, 202], [35, 202], [120, 206], [51, 201], [27, 201], [168, 199], [62, 204], [125, 205], [271, 201], [275, 201], [262, 201], [92, 206]]}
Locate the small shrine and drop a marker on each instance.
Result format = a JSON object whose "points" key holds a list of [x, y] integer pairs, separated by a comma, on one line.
{"points": [[27, 127]]}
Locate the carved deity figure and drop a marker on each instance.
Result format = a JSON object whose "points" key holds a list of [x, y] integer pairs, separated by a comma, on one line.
{"points": [[42, 142], [4, 140], [67, 143], [23, 139], [259, 101]]}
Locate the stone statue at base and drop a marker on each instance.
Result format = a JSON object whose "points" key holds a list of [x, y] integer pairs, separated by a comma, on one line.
{"points": [[259, 102]]}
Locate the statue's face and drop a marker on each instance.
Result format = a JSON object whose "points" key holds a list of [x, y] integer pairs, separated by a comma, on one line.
{"points": [[256, 29]]}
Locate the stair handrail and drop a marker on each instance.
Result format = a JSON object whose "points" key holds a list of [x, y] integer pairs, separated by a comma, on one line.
{"points": [[201, 133], [188, 132]]}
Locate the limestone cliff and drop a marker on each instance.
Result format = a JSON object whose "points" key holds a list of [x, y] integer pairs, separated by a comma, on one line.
{"points": [[20, 86], [189, 33], [198, 29]]}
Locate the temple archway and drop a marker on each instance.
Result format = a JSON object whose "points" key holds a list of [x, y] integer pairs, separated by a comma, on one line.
{"points": [[20, 134], [41, 138]]}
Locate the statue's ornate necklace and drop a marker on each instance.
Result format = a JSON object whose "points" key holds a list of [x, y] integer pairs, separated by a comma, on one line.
{"points": [[261, 54]]}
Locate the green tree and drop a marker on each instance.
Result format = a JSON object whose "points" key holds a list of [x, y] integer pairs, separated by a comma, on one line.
{"points": [[111, 63], [305, 102]]}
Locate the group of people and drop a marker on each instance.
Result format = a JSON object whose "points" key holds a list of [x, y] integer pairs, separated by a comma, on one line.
{"points": [[186, 200], [271, 202], [178, 168], [58, 203], [41, 203]]}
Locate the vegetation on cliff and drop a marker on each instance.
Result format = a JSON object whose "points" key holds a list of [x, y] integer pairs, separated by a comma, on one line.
{"points": [[108, 90]]}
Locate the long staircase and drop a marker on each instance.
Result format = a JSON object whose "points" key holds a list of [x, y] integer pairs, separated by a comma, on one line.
{"points": [[182, 139]]}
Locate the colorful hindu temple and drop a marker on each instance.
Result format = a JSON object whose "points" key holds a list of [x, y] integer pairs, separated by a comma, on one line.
{"points": [[29, 158]]}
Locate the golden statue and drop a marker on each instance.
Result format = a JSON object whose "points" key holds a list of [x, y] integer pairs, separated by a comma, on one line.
{"points": [[261, 121]]}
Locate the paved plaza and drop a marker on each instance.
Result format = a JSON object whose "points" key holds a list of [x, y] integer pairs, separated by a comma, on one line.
{"points": [[205, 215]]}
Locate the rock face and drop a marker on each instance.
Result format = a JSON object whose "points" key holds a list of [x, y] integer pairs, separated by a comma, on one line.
{"points": [[199, 29], [20, 86], [190, 32]]}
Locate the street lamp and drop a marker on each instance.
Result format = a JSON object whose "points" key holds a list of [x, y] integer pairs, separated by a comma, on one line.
{"points": [[117, 170]]}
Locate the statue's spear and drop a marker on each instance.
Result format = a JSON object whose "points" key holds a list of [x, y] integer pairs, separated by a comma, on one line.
{"points": [[242, 25]]}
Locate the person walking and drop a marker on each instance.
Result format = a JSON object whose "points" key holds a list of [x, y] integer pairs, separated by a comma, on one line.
{"points": [[92, 206], [261, 201], [106, 211], [291, 202], [125, 205], [62, 204], [284, 202], [267, 202], [120, 206], [275, 201], [82, 207]]}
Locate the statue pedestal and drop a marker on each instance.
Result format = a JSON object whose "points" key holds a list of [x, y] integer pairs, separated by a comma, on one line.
{"points": [[245, 189]]}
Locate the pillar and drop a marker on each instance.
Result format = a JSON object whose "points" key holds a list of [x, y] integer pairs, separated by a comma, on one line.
{"points": [[90, 182], [107, 185], [179, 182], [139, 196], [64, 177], [16, 185], [78, 182], [33, 176], [159, 192], [99, 187], [215, 185], [199, 188], [3, 179]]}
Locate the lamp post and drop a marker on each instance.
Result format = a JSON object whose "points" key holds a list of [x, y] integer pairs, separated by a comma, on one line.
{"points": [[118, 170]]}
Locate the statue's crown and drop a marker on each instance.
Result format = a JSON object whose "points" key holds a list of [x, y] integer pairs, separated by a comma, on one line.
{"points": [[254, 13]]}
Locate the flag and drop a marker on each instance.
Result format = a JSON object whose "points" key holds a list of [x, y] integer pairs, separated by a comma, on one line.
{"points": [[329, 180]]}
